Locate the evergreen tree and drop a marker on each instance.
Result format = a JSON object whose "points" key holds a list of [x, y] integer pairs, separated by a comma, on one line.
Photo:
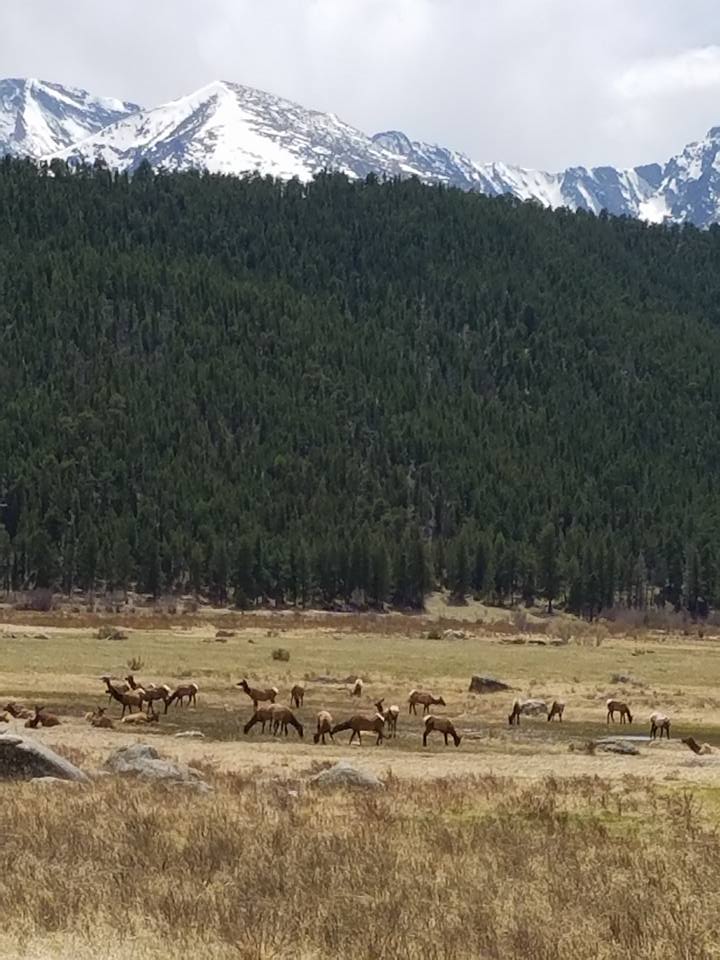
{"points": [[548, 565]]}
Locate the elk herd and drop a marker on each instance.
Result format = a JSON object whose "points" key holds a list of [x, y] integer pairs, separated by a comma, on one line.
{"points": [[140, 701]]}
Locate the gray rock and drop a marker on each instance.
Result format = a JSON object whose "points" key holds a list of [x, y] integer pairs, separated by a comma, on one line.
{"points": [[190, 735], [617, 746], [487, 685], [344, 774], [626, 679], [143, 761], [534, 708], [22, 758]]}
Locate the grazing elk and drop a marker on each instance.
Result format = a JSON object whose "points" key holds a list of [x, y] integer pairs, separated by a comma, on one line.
{"points": [[618, 706], [441, 725], [261, 715], [556, 710], [189, 690], [283, 717], [426, 699], [527, 707]]}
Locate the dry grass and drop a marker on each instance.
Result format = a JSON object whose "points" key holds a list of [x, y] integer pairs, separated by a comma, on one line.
{"points": [[455, 869]]}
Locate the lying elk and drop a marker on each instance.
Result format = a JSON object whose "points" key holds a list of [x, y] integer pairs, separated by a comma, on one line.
{"points": [[297, 695], [189, 690], [258, 696], [618, 706], [527, 707], [128, 699], [137, 719], [658, 721], [98, 718], [426, 699], [391, 715], [556, 710], [442, 725], [324, 727], [359, 723], [42, 719], [17, 711]]}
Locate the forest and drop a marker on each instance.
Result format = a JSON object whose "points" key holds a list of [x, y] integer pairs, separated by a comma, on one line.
{"points": [[353, 393]]}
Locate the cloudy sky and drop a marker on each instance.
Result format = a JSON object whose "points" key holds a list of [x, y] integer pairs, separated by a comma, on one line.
{"points": [[542, 83]]}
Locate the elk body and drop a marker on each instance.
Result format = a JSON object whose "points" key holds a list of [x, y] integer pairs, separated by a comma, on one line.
{"points": [[357, 688], [17, 711], [618, 706], [441, 725], [359, 724], [258, 695], [261, 715], [527, 707], [297, 695], [121, 686], [138, 719], [189, 690], [426, 699], [42, 718], [659, 722], [556, 710], [128, 699], [151, 691], [391, 715], [98, 718], [282, 718], [324, 727]]}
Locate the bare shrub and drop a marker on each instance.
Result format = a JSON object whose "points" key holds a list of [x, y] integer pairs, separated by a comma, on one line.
{"points": [[134, 664], [280, 653]]}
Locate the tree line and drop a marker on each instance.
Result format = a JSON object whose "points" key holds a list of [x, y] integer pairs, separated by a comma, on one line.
{"points": [[352, 392]]}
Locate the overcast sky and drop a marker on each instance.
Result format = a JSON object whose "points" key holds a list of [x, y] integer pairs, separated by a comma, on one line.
{"points": [[542, 83]]}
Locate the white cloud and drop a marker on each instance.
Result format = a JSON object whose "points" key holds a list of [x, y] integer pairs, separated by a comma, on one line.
{"points": [[542, 83], [686, 71]]}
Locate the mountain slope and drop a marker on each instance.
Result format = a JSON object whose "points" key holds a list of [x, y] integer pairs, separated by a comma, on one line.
{"points": [[233, 129], [39, 118]]}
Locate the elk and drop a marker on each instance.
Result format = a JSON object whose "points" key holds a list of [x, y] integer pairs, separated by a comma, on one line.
{"points": [[42, 719], [151, 692], [297, 695], [189, 690], [258, 696], [98, 719], [442, 725], [359, 723], [324, 727], [128, 699], [527, 707], [282, 717], [261, 715], [136, 719], [700, 748], [426, 699], [391, 715], [618, 706], [357, 688], [658, 721], [121, 687], [17, 711], [556, 710]]}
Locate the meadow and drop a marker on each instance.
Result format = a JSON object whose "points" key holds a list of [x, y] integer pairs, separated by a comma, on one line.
{"points": [[521, 842]]}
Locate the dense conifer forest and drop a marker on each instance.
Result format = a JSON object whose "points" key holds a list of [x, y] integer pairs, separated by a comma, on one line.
{"points": [[353, 392]]}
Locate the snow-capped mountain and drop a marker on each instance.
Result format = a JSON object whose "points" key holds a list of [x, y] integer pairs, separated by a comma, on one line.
{"points": [[39, 118], [232, 129]]}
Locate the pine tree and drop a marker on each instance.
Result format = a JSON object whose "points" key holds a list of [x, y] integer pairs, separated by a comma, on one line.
{"points": [[459, 571], [548, 565]]}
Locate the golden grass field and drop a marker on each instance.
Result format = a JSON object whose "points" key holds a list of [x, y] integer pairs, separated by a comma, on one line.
{"points": [[510, 846]]}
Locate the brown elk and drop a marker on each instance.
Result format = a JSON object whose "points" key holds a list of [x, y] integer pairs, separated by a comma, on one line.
{"points": [[189, 690], [527, 707], [297, 695], [357, 724], [283, 717], [659, 722], [426, 699], [441, 725], [391, 715], [261, 715], [324, 727], [556, 710], [256, 695], [120, 685], [128, 699], [17, 711], [151, 691], [42, 719], [98, 718], [618, 706]]}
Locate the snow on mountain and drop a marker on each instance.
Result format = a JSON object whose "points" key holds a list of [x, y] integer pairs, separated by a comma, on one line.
{"points": [[232, 129], [228, 128], [39, 118]]}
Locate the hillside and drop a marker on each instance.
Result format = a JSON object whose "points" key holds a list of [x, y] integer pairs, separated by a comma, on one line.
{"points": [[291, 391]]}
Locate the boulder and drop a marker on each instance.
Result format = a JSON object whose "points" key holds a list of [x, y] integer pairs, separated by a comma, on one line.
{"points": [[22, 758], [534, 708], [487, 685], [617, 746], [453, 634], [143, 761], [344, 774]]}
